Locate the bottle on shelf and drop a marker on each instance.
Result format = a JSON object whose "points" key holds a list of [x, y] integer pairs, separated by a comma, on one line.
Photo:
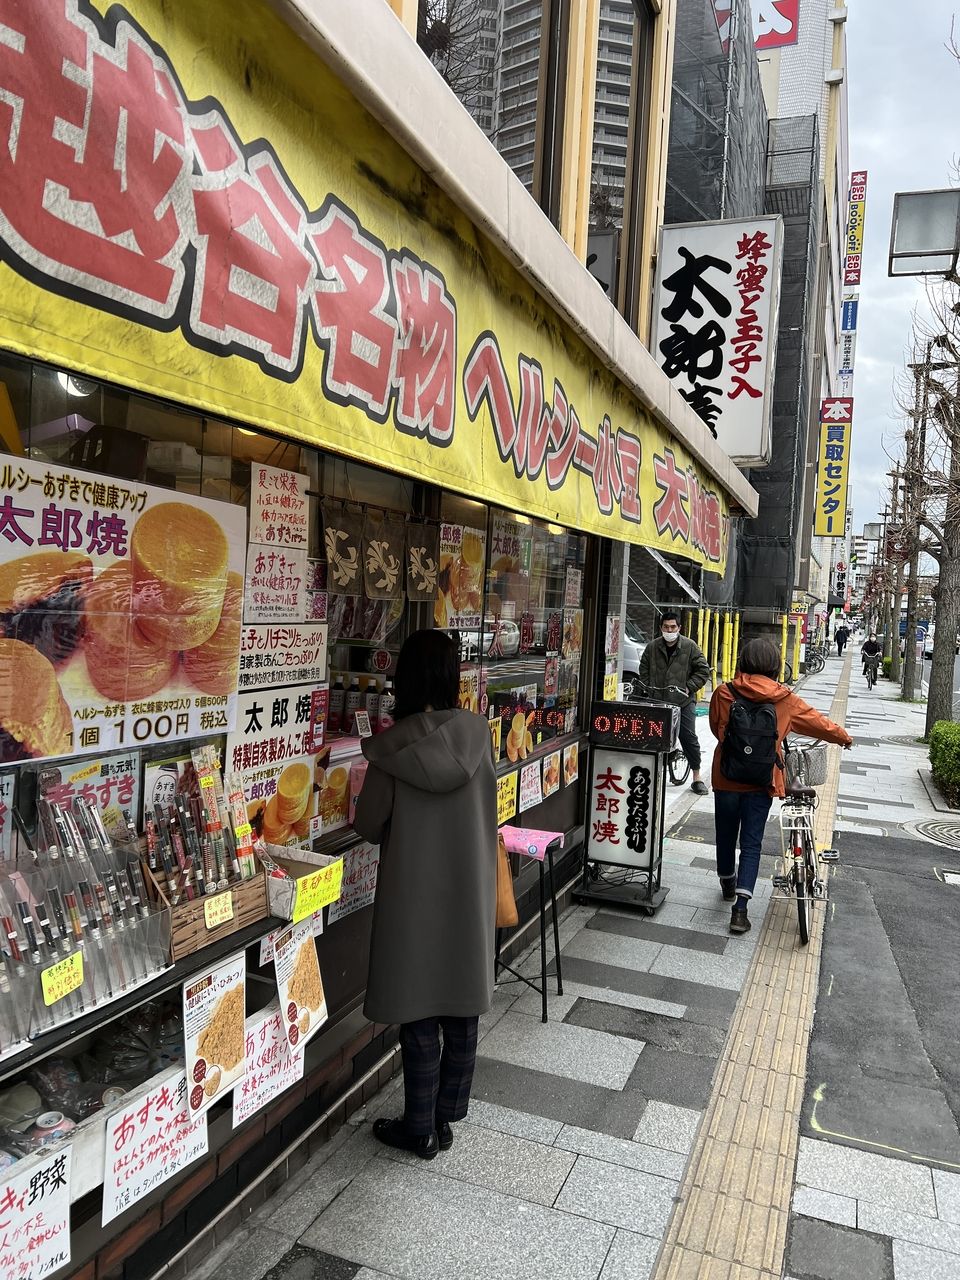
{"points": [[352, 704], [371, 702], [385, 707], [335, 707]]}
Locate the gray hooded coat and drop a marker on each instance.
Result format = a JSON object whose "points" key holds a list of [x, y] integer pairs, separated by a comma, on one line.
{"points": [[430, 800]]}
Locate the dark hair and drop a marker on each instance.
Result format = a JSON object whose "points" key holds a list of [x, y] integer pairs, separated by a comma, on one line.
{"points": [[428, 674], [670, 615], [760, 657]]}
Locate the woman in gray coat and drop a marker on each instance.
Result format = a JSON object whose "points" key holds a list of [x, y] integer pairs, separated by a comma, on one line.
{"points": [[430, 801]]}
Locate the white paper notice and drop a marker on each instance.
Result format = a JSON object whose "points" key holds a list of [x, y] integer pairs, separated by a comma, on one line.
{"points": [[35, 1217], [276, 588], [359, 885], [148, 1140], [266, 944], [302, 1002], [213, 1030], [279, 507], [531, 792], [271, 1067]]}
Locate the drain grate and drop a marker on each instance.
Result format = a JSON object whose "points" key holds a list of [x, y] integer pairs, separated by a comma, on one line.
{"points": [[944, 833], [908, 742]]}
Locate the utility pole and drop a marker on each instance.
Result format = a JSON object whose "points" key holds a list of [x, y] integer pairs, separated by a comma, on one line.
{"points": [[885, 583]]}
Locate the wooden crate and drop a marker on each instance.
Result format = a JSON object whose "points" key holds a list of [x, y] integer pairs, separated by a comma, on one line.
{"points": [[188, 926]]}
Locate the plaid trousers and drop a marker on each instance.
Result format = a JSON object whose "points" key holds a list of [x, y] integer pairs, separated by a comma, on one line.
{"points": [[436, 1085]]}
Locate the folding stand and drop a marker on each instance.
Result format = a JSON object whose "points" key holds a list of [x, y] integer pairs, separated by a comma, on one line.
{"points": [[541, 846]]}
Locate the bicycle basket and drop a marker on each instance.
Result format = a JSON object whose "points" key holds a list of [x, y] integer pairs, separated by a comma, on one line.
{"points": [[807, 766]]}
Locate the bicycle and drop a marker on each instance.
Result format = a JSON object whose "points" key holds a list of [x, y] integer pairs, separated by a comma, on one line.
{"points": [[678, 766], [871, 665], [815, 660], [802, 873]]}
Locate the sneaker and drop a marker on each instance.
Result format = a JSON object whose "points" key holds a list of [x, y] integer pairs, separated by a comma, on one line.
{"points": [[739, 923], [699, 788], [444, 1136], [728, 887]]}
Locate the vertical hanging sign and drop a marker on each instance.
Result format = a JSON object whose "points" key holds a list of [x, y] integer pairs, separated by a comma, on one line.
{"points": [[836, 425], [856, 214]]}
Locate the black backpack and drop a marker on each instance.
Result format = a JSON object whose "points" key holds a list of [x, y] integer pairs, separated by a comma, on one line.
{"points": [[750, 749]]}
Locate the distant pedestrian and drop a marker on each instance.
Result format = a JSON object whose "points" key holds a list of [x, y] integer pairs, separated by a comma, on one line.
{"points": [[429, 800], [841, 635], [676, 660], [750, 718]]}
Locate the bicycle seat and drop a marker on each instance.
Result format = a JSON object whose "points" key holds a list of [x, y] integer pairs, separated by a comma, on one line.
{"points": [[801, 793]]}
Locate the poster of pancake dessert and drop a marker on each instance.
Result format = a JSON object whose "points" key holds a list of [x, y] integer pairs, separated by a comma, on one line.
{"points": [[120, 612]]}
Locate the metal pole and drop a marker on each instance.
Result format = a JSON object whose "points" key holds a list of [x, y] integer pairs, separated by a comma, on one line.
{"points": [[916, 463], [783, 647], [714, 644], [798, 628], [897, 519], [736, 641]]}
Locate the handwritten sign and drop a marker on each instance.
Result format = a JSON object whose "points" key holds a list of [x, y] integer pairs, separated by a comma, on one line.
{"points": [[531, 790], [213, 1030], [316, 890], [303, 1005], [35, 1218], [279, 507], [506, 797], [360, 867], [148, 1140], [218, 910], [62, 978], [271, 1067], [610, 687], [275, 587]]}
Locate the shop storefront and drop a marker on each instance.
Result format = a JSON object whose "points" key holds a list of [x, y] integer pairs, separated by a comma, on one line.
{"points": [[268, 403]]}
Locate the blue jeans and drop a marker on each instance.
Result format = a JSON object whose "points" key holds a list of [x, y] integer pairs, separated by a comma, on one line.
{"points": [[742, 813]]}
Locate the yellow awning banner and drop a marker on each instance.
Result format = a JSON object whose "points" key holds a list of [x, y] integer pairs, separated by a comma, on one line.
{"points": [[192, 205]]}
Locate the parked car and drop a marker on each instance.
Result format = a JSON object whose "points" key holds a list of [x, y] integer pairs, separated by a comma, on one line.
{"points": [[634, 643]]}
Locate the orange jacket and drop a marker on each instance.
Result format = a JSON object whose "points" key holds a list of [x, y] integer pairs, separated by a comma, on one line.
{"points": [[793, 716]]}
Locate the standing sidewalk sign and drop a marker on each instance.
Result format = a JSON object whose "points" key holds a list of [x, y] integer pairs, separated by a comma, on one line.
{"points": [[629, 745]]}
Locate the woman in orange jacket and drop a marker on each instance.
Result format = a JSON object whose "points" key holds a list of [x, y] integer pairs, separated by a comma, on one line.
{"points": [[741, 809]]}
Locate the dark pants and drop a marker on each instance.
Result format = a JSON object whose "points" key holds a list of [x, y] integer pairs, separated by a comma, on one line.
{"points": [[436, 1085], [742, 813], [840, 644], [689, 742]]}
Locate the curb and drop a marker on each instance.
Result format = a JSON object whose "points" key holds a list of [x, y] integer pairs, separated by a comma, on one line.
{"points": [[933, 795]]}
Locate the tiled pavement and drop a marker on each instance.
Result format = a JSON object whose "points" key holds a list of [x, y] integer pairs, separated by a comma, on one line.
{"points": [[574, 1161]]}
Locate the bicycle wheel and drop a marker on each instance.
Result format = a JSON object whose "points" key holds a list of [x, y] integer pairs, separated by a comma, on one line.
{"points": [[678, 766], [814, 664], [803, 899]]}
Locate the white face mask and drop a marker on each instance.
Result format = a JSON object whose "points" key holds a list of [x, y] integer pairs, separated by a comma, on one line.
{"points": [[671, 637]]}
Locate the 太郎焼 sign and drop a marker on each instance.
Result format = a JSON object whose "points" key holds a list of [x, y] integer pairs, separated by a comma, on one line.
{"points": [[260, 248], [715, 325]]}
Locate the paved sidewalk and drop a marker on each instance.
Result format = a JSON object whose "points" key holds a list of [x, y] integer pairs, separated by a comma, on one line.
{"points": [[575, 1160]]}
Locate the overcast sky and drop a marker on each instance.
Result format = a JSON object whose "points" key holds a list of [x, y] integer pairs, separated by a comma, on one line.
{"points": [[904, 91]]}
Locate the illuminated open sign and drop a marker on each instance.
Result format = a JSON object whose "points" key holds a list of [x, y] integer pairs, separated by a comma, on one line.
{"points": [[635, 726]]}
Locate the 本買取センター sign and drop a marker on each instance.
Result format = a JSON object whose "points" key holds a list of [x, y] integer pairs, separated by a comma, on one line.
{"points": [[257, 246], [836, 427]]}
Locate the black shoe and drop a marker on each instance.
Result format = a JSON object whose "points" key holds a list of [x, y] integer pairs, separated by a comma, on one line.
{"points": [[699, 788], [739, 922], [393, 1133], [444, 1136], [728, 887]]}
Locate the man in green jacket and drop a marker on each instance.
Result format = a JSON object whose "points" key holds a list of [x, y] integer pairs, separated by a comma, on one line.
{"points": [[675, 660]]}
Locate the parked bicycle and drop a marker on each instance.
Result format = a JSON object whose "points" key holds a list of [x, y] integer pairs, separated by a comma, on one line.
{"points": [[678, 766], [871, 666], [802, 873], [815, 659]]}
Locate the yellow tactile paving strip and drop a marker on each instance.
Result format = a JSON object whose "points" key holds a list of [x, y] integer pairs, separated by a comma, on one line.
{"points": [[731, 1219]]}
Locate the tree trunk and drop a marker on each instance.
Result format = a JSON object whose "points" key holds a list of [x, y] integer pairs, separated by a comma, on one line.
{"points": [[940, 699]]}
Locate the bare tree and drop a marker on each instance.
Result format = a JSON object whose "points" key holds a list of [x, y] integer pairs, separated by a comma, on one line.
{"points": [[454, 34], [932, 400]]}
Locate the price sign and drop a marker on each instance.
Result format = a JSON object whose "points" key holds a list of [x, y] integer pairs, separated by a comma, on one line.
{"points": [[317, 890], [62, 978], [610, 687], [218, 910], [506, 797]]}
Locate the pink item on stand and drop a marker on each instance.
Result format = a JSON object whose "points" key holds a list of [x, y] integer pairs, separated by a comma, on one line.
{"points": [[528, 842]]}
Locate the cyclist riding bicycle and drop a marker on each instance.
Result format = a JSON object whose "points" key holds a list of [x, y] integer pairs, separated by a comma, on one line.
{"points": [[871, 649], [741, 808]]}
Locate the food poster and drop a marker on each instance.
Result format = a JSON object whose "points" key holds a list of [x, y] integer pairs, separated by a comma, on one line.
{"points": [[214, 1033], [572, 634], [271, 1066], [282, 654], [551, 774], [303, 1005], [472, 688], [111, 784], [35, 1217], [120, 609], [147, 1142], [164, 780], [276, 589], [571, 763], [283, 782], [279, 507], [496, 732], [509, 549], [359, 884], [572, 588], [531, 791], [611, 644], [459, 603], [266, 944]]}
